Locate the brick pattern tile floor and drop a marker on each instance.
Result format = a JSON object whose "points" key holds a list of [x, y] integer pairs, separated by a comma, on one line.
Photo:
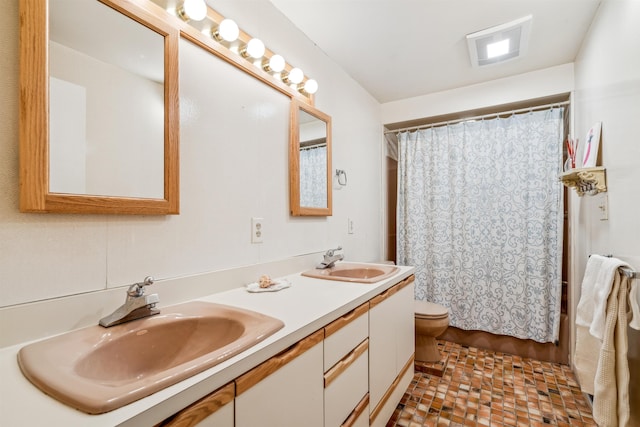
{"points": [[476, 387]]}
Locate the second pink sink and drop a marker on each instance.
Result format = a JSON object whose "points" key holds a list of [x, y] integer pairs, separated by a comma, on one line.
{"points": [[353, 272]]}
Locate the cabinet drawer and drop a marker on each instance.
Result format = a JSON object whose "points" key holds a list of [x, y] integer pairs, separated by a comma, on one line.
{"points": [[360, 416], [344, 334], [345, 385], [286, 390]]}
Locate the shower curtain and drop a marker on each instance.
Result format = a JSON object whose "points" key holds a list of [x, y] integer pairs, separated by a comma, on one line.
{"points": [[313, 177], [480, 217]]}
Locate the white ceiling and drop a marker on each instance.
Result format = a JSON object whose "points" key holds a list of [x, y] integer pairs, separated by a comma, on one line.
{"points": [[399, 49]]}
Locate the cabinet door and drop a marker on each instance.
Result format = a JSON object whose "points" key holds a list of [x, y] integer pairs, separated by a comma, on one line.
{"points": [[405, 332], [286, 390], [391, 337], [382, 348]]}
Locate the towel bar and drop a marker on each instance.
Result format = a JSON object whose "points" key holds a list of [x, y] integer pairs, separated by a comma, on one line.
{"points": [[629, 272], [626, 270]]}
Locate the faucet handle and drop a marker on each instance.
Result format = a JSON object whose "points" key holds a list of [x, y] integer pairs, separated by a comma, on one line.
{"points": [[330, 252], [137, 289]]}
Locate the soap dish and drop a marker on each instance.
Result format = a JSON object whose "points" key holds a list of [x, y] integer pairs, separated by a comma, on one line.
{"points": [[277, 285]]}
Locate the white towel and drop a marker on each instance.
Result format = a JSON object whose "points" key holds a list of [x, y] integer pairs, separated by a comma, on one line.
{"points": [[584, 313], [596, 286], [634, 302]]}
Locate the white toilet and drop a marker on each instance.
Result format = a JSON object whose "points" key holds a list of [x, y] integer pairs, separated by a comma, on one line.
{"points": [[431, 321]]}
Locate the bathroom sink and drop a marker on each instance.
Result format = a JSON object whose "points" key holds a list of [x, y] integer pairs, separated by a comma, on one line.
{"points": [[98, 369], [353, 272]]}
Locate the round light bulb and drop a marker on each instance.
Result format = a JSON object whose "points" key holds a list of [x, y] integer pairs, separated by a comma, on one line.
{"points": [[276, 63], [311, 86], [296, 75], [255, 48], [228, 30], [194, 9]]}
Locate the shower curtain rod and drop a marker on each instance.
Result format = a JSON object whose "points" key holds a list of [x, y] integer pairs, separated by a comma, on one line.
{"points": [[484, 116], [309, 147]]}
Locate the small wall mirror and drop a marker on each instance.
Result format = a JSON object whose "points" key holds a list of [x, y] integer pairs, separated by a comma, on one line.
{"points": [[99, 108], [309, 161]]}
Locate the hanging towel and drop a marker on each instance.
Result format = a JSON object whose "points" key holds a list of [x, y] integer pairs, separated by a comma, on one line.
{"points": [[591, 313], [611, 387], [586, 357], [634, 302], [596, 287]]}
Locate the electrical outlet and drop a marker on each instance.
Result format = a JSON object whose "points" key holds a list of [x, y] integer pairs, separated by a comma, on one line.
{"points": [[257, 230], [350, 226]]}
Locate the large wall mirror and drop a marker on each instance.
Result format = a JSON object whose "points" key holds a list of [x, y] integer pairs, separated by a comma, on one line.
{"points": [[309, 161], [99, 108]]}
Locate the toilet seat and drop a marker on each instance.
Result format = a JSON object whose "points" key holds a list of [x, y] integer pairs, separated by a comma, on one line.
{"points": [[429, 311]]}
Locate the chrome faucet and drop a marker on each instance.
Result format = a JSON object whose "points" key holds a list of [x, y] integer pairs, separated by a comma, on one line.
{"points": [[330, 258], [137, 305]]}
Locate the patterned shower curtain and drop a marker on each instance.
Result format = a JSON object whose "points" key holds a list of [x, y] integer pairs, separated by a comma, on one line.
{"points": [[313, 177], [480, 217]]}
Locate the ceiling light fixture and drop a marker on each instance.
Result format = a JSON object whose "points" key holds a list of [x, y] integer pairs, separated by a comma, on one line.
{"points": [[498, 48], [500, 43], [227, 30], [195, 10]]}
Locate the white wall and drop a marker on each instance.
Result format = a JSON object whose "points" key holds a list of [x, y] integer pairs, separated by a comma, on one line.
{"points": [[607, 80], [536, 84], [234, 136], [608, 91]]}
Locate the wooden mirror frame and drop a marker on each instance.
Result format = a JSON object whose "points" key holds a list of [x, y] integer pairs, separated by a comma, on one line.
{"points": [[294, 160], [34, 118]]}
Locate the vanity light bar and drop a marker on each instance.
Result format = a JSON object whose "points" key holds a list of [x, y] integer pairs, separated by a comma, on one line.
{"points": [[227, 31]]}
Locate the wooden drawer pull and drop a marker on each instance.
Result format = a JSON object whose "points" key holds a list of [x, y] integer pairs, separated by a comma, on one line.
{"points": [[343, 321], [343, 364], [391, 291], [246, 381], [391, 389], [355, 414], [201, 409]]}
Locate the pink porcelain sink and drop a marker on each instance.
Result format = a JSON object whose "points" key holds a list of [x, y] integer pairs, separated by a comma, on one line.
{"points": [[97, 370], [353, 272]]}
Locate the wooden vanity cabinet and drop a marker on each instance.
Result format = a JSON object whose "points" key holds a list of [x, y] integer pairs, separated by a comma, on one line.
{"points": [[286, 390], [351, 373], [391, 349]]}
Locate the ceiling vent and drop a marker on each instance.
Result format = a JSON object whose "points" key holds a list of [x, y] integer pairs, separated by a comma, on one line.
{"points": [[501, 43]]}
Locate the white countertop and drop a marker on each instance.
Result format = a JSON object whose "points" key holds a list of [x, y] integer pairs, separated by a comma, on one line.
{"points": [[305, 307]]}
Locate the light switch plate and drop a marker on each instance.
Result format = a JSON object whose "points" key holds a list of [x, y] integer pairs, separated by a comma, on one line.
{"points": [[603, 205]]}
